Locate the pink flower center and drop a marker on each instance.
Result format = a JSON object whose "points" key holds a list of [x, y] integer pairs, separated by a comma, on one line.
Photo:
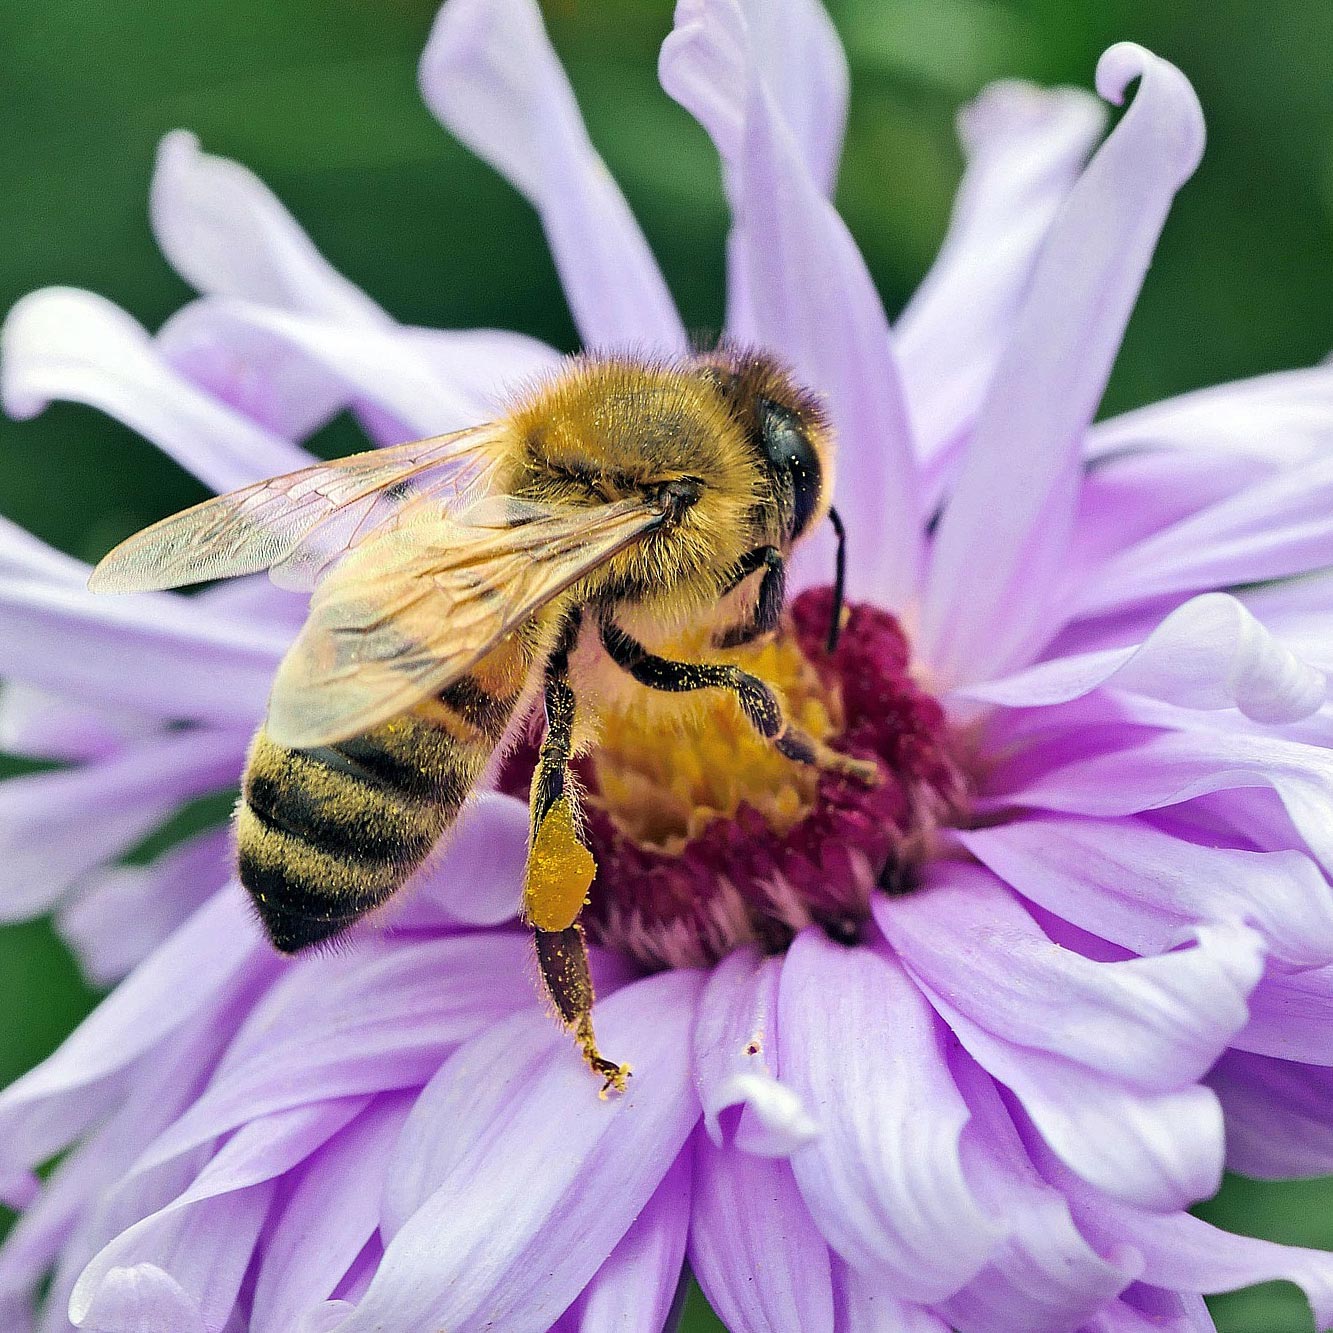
{"points": [[706, 838]]}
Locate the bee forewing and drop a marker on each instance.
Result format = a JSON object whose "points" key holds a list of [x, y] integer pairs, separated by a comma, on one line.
{"points": [[409, 613], [297, 524]]}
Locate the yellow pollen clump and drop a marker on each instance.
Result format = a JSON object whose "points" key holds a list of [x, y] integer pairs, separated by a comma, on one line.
{"points": [[667, 765]]}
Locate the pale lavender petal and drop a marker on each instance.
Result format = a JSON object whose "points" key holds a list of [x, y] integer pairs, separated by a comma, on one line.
{"points": [[205, 1236], [375, 1020], [1281, 527], [69, 344], [1168, 769], [56, 827], [1045, 1277], [490, 75], [1156, 1024], [491, 1219], [226, 233], [1291, 1016], [78, 1212], [868, 1303], [483, 366], [643, 1273], [1184, 1253], [353, 363], [1128, 498], [140, 653], [1152, 1310], [142, 1299], [1278, 1126], [815, 306], [1297, 610], [795, 50], [1148, 889], [26, 556], [885, 1181], [1025, 147], [326, 1220], [806, 295], [40, 725], [120, 914], [50, 1105], [1002, 541], [1280, 420], [758, 1257], [1210, 653], [1160, 1150], [476, 878], [735, 1060]]}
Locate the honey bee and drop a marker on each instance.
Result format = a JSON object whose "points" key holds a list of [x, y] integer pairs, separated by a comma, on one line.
{"points": [[458, 579]]}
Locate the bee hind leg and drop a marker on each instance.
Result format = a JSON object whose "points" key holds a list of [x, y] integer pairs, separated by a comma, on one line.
{"points": [[563, 958], [560, 869]]}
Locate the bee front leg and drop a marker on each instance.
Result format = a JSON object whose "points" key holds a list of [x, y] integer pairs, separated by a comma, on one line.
{"points": [[768, 605], [560, 868], [758, 702]]}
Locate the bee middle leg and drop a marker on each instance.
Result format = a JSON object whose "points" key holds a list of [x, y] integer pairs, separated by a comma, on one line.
{"points": [[561, 868], [758, 702]]}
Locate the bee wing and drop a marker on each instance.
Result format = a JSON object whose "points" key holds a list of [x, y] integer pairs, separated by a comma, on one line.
{"points": [[416, 608], [295, 525]]}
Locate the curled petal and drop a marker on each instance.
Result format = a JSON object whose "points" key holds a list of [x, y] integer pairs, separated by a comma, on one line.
{"points": [[1210, 653], [1184, 1253], [69, 344], [735, 1060], [1155, 1024], [1025, 147], [1001, 544], [885, 1181], [1045, 1277], [490, 75], [795, 49]]}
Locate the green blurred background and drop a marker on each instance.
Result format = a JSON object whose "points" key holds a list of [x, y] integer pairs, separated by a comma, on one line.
{"points": [[319, 97]]}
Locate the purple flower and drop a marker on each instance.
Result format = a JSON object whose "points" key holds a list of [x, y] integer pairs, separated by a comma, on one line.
{"points": [[1108, 968]]}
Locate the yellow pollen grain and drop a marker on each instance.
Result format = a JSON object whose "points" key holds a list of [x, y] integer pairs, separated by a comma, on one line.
{"points": [[668, 765], [560, 871]]}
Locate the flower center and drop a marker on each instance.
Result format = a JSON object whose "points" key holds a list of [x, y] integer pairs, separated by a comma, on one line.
{"points": [[706, 838]]}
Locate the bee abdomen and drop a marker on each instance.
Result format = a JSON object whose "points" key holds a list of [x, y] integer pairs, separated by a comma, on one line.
{"points": [[326, 835]]}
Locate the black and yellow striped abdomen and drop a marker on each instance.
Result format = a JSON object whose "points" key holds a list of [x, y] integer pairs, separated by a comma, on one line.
{"points": [[325, 835]]}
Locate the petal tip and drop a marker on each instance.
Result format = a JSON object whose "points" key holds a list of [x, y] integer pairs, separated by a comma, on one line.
{"points": [[1174, 99]]}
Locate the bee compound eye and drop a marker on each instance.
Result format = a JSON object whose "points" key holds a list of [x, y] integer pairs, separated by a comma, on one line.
{"points": [[792, 457]]}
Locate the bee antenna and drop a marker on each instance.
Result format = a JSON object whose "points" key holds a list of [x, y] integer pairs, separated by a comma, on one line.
{"points": [[839, 581]]}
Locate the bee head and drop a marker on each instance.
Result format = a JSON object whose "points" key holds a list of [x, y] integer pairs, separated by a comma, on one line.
{"points": [[785, 426]]}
